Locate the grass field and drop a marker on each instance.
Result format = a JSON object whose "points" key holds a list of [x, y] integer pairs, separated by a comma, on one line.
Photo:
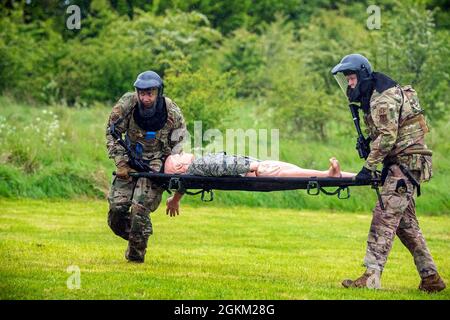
{"points": [[205, 253]]}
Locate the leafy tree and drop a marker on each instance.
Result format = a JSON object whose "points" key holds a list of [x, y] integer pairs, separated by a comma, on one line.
{"points": [[204, 94], [409, 48]]}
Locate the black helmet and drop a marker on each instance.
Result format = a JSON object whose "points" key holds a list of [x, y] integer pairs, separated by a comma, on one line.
{"points": [[149, 79], [353, 64]]}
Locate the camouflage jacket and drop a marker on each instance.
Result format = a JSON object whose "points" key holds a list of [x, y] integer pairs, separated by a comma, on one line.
{"points": [[219, 165], [396, 126], [167, 141]]}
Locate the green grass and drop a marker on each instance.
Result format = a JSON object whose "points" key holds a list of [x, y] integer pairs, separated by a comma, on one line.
{"points": [[205, 253]]}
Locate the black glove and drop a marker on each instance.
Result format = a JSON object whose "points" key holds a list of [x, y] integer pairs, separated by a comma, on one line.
{"points": [[364, 174]]}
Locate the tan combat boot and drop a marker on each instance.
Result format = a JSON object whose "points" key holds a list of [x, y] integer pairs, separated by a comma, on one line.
{"points": [[433, 283], [371, 279]]}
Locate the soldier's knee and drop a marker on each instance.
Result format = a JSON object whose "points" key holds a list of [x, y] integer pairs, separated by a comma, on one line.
{"points": [[115, 216], [117, 212], [120, 223], [139, 209], [119, 206]]}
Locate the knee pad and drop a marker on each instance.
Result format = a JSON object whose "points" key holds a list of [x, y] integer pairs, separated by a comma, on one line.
{"points": [[120, 223], [119, 206]]}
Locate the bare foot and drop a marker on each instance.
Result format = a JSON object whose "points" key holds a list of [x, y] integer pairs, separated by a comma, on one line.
{"points": [[335, 169]]}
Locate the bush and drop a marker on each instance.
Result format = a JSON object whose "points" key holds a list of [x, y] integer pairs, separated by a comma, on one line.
{"points": [[204, 95]]}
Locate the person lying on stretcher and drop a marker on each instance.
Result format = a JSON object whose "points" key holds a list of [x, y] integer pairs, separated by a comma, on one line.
{"points": [[220, 164]]}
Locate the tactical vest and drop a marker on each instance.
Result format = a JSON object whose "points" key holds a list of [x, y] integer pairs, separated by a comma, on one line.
{"points": [[412, 125], [152, 147], [411, 111], [409, 148]]}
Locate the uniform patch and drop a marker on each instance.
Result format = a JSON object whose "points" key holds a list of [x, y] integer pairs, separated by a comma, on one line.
{"points": [[382, 114]]}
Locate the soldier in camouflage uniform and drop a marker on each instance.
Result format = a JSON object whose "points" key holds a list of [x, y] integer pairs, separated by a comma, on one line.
{"points": [[154, 128], [396, 126]]}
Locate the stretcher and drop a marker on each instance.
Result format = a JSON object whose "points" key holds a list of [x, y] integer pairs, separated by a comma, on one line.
{"points": [[313, 185]]}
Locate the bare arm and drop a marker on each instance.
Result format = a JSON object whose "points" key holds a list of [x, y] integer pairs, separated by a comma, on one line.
{"points": [[173, 204]]}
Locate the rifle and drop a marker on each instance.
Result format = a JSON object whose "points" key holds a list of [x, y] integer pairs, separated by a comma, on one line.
{"points": [[362, 143], [134, 162], [363, 146]]}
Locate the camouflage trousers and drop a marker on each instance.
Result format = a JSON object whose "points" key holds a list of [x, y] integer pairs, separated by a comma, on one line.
{"points": [[398, 218], [133, 225]]}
